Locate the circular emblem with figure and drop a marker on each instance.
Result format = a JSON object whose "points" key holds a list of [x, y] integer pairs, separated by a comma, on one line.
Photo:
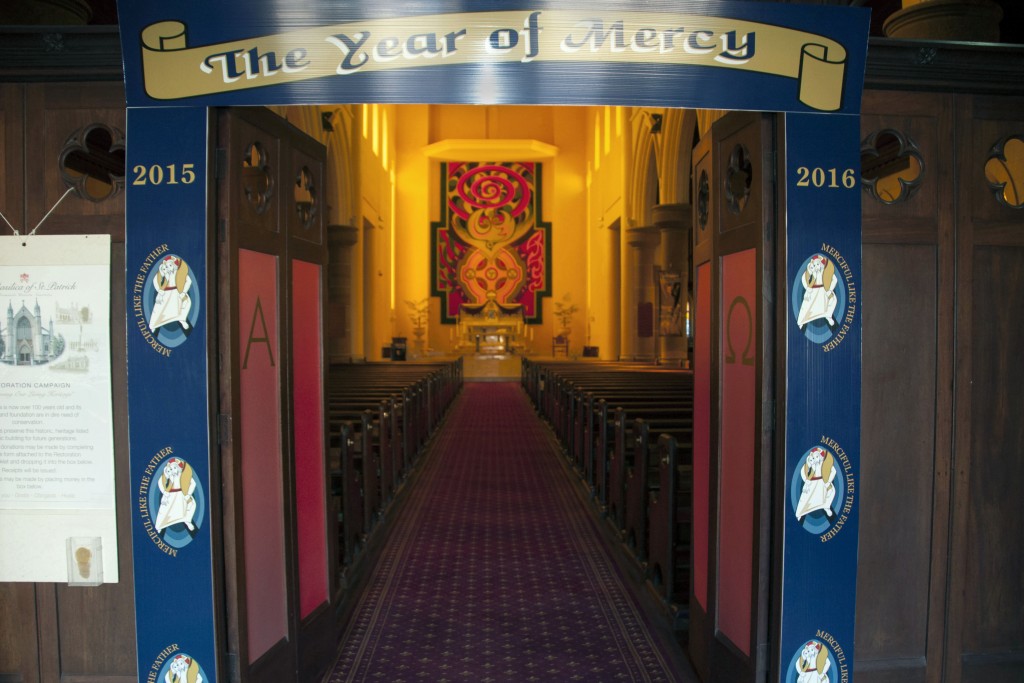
{"points": [[819, 298], [181, 668], [171, 302], [172, 502], [822, 489], [165, 300], [814, 663], [816, 492], [179, 501]]}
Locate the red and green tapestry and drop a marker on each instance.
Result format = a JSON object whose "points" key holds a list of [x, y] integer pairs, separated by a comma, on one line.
{"points": [[491, 243]]}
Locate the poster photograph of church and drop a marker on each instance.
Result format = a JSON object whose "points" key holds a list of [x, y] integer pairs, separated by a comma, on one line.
{"points": [[29, 337], [56, 455], [54, 363]]}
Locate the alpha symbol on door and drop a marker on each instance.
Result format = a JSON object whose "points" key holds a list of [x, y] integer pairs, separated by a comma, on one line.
{"points": [[260, 320]]}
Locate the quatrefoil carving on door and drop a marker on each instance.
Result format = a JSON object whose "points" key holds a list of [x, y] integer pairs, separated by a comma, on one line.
{"points": [[1004, 171], [92, 162], [257, 179], [891, 166], [305, 197], [703, 201], [739, 177]]}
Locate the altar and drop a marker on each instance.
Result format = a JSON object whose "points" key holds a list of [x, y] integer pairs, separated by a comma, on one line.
{"points": [[491, 328]]}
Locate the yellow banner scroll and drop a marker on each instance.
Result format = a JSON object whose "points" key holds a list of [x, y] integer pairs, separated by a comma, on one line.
{"points": [[174, 70]]}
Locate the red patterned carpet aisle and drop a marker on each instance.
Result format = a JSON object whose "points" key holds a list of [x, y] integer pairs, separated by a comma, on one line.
{"points": [[495, 571]]}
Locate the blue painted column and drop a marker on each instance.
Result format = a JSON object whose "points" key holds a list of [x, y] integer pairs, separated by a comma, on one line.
{"points": [[168, 317], [822, 393]]}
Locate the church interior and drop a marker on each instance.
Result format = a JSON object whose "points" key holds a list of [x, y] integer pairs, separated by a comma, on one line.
{"points": [[598, 179], [469, 249]]}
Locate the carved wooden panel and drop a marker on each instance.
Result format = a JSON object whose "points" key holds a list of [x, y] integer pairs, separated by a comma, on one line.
{"points": [[59, 111], [941, 574], [12, 184], [907, 353], [50, 631], [898, 449], [19, 647], [704, 199], [306, 208], [986, 618]]}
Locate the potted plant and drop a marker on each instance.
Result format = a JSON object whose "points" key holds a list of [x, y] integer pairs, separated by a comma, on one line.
{"points": [[418, 316], [564, 311]]}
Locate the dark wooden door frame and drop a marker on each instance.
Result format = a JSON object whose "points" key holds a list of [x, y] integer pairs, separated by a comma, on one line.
{"points": [[713, 656], [310, 642]]}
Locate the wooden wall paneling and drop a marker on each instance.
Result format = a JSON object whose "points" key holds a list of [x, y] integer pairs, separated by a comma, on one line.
{"points": [[898, 447], [922, 118], [46, 624], [907, 402], [19, 647], [986, 617], [73, 628], [58, 110], [12, 157], [90, 619], [87, 621]]}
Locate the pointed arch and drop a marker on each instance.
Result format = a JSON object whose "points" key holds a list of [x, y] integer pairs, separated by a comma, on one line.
{"points": [[644, 171], [678, 135]]}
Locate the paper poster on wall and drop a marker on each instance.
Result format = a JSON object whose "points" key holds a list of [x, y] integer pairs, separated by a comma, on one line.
{"points": [[56, 434]]}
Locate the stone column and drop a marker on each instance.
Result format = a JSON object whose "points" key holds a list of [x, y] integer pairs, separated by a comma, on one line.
{"points": [[638, 288], [613, 292], [340, 304], [674, 222]]}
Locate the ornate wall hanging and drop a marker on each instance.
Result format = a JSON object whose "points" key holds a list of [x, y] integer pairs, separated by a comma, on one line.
{"points": [[491, 244]]}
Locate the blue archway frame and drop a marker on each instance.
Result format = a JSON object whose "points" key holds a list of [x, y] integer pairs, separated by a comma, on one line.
{"points": [[805, 61]]}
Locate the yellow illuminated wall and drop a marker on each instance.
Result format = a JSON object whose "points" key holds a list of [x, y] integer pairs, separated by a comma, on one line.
{"points": [[418, 200], [606, 156], [603, 170]]}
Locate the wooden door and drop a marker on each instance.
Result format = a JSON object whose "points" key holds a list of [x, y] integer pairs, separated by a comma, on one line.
{"points": [[272, 256], [733, 365]]}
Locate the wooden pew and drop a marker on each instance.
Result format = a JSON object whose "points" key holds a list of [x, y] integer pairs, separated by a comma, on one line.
{"points": [[670, 514], [623, 442], [627, 430], [383, 445], [346, 488], [588, 422], [379, 416], [643, 476], [361, 427]]}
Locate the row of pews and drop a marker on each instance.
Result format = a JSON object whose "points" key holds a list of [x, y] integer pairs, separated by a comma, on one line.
{"points": [[379, 417], [627, 430]]}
